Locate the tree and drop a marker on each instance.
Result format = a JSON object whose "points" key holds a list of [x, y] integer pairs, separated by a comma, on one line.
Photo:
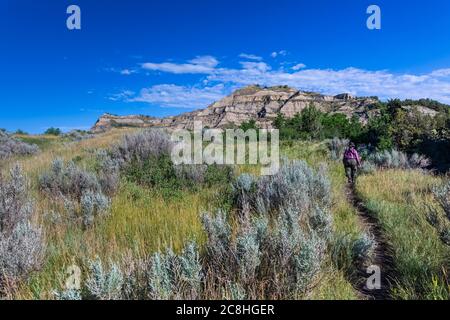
{"points": [[251, 124], [53, 131], [21, 132], [311, 121]]}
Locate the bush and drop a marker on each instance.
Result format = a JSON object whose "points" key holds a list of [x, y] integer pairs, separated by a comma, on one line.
{"points": [[296, 185], [442, 196], [288, 250], [363, 249], [77, 135], [337, 147], [191, 174], [68, 180], [53, 131], [138, 148], [10, 146], [243, 189], [108, 172], [145, 159], [21, 242], [74, 186], [218, 175], [439, 217], [274, 253], [92, 205], [395, 159], [176, 276], [367, 167], [104, 284]]}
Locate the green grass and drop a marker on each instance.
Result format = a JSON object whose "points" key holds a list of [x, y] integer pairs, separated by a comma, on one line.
{"points": [[421, 260], [42, 141], [144, 220]]}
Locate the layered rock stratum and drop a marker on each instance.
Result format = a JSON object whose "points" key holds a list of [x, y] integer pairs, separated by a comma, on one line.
{"points": [[261, 104]]}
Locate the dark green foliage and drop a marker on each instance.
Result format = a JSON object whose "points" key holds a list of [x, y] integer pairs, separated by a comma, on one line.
{"points": [[251, 124], [311, 123], [53, 131], [154, 172], [218, 175], [144, 158], [396, 124]]}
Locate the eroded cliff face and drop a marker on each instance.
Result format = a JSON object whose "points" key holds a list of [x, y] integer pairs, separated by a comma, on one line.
{"points": [[253, 102]]}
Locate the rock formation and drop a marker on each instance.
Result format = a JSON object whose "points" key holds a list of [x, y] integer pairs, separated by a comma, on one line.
{"points": [[252, 102]]}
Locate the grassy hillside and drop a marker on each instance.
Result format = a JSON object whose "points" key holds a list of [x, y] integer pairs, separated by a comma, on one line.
{"points": [[143, 219], [399, 200]]}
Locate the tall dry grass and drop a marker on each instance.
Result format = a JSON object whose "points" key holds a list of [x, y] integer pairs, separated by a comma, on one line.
{"points": [[399, 199]]}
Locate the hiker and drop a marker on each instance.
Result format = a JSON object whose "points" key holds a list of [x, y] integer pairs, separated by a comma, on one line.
{"points": [[351, 162]]}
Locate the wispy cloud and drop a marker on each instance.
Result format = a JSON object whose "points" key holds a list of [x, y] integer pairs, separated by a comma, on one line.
{"points": [[201, 64], [384, 84], [250, 57], [127, 72], [216, 81], [299, 66], [174, 96], [124, 95], [278, 53]]}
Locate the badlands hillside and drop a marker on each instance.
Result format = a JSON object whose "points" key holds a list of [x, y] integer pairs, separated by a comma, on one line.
{"points": [[257, 103]]}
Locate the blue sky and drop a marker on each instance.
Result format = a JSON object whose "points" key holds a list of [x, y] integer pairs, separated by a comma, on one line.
{"points": [[166, 57]]}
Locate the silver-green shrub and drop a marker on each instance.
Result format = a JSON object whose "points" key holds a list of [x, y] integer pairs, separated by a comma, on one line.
{"points": [[439, 216], [363, 248], [10, 146], [172, 276], [104, 283], [68, 294], [243, 189], [93, 204], [194, 174], [108, 172], [295, 185], [233, 291], [77, 188], [141, 146], [68, 180], [337, 147], [367, 167], [394, 159], [22, 243], [442, 196]]}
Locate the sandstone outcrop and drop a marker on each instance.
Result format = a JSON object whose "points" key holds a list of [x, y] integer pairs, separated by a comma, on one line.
{"points": [[253, 102]]}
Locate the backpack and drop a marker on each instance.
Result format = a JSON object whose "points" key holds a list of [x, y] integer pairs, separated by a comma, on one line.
{"points": [[349, 154]]}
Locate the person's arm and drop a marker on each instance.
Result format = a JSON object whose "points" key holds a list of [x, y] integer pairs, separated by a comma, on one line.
{"points": [[358, 158]]}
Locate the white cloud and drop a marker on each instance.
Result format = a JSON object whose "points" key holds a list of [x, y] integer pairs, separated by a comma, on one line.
{"points": [[356, 81], [250, 57], [173, 96], [121, 96], [200, 64], [299, 66], [257, 66], [127, 72], [360, 82], [278, 53]]}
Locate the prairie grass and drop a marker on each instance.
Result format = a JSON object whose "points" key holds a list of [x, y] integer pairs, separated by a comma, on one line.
{"points": [[398, 199], [337, 279], [143, 221]]}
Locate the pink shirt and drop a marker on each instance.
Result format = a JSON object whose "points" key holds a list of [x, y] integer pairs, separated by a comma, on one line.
{"points": [[351, 153]]}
